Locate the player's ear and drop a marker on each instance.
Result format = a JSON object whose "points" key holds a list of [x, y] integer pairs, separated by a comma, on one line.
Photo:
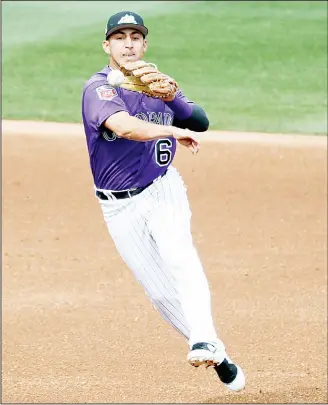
{"points": [[105, 45], [145, 45]]}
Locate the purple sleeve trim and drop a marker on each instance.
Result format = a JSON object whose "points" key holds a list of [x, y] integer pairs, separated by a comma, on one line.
{"points": [[182, 110]]}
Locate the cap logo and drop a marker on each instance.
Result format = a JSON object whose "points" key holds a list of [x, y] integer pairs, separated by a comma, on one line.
{"points": [[127, 19]]}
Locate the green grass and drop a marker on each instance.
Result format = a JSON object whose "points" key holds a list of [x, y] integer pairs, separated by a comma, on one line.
{"points": [[253, 66]]}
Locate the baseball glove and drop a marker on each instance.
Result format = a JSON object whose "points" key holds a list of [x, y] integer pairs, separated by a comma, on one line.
{"points": [[146, 78]]}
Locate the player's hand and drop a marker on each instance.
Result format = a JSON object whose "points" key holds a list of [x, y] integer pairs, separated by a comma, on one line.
{"points": [[187, 138]]}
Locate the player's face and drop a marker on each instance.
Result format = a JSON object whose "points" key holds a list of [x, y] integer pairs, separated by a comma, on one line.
{"points": [[126, 45]]}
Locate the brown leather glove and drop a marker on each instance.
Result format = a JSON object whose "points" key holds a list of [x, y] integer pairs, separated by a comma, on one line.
{"points": [[146, 78]]}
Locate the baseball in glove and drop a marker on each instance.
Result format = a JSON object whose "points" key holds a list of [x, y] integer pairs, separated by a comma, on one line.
{"points": [[146, 78]]}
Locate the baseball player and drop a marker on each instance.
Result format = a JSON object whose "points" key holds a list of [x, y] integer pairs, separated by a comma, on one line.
{"points": [[133, 117]]}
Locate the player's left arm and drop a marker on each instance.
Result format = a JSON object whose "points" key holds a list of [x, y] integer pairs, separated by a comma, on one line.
{"points": [[187, 114], [146, 78]]}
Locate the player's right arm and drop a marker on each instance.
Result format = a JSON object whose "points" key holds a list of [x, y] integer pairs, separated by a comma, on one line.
{"points": [[102, 107], [129, 127], [126, 126]]}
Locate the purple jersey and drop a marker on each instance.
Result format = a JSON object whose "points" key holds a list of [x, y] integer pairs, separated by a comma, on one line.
{"points": [[117, 163]]}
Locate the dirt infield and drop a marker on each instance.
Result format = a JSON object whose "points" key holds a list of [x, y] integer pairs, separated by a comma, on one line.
{"points": [[77, 328]]}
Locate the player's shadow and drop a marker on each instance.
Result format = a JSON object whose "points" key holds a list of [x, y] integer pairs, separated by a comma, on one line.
{"points": [[310, 395]]}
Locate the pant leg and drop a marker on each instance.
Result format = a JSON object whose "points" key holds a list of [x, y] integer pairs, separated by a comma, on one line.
{"points": [[170, 228], [127, 223]]}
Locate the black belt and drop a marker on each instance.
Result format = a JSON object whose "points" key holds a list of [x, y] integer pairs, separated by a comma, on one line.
{"points": [[124, 194]]}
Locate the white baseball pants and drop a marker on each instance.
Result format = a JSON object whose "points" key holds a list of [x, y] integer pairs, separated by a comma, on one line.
{"points": [[152, 234]]}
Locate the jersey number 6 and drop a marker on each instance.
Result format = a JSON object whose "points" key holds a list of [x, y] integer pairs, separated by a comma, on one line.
{"points": [[163, 152]]}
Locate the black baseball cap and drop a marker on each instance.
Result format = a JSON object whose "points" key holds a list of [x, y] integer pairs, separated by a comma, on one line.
{"points": [[125, 19]]}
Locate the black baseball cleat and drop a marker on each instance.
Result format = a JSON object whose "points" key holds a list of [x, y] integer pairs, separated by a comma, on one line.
{"points": [[214, 354], [230, 374]]}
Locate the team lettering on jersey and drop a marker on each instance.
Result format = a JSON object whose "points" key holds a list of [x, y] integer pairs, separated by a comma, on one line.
{"points": [[156, 117], [109, 135], [151, 116]]}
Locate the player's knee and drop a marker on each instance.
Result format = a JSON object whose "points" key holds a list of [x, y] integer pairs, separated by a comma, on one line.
{"points": [[177, 258]]}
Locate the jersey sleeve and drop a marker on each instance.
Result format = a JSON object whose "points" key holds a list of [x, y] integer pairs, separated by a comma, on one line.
{"points": [[181, 96], [100, 101]]}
